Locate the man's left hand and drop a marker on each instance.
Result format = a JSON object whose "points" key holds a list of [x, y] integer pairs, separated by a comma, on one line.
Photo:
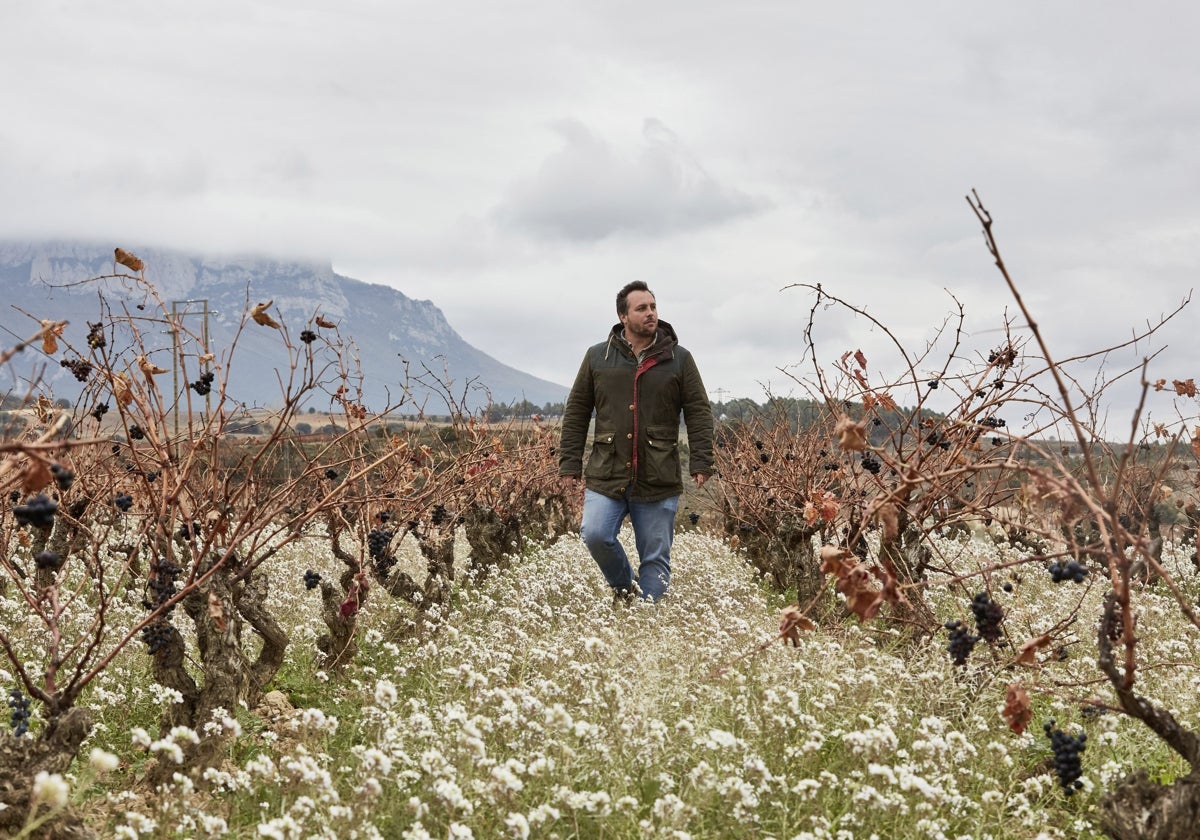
{"points": [[699, 478]]}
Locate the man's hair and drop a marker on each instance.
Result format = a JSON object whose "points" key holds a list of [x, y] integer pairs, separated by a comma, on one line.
{"points": [[623, 295]]}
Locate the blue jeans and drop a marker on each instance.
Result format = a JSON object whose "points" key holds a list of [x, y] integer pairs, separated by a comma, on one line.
{"points": [[653, 531]]}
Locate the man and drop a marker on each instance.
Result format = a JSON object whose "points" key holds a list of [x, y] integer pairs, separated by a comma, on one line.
{"points": [[637, 383]]}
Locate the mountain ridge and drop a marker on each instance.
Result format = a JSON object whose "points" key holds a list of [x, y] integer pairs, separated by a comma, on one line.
{"points": [[393, 334]]}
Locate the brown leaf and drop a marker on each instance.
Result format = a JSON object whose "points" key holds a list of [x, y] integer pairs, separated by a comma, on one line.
{"points": [[1016, 711], [1186, 388], [1027, 654], [889, 518], [829, 506], [216, 523], [36, 476], [852, 437], [121, 388], [322, 321], [862, 379], [216, 612], [886, 402], [861, 359], [44, 409], [791, 622], [148, 367], [51, 330], [128, 260], [1159, 384], [260, 316]]}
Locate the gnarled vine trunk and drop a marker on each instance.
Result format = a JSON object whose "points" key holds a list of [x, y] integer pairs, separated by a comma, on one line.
{"points": [[21, 759]]}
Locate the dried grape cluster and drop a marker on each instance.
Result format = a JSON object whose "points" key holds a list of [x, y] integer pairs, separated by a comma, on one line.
{"points": [[99, 411], [870, 464], [378, 541], [38, 511], [123, 501], [203, 385], [962, 641], [136, 433], [80, 368], [95, 336], [308, 336], [1071, 570], [311, 579], [988, 615], [19, 704], [157, 634], [47, 560], [1067, 749], [63, 476]]}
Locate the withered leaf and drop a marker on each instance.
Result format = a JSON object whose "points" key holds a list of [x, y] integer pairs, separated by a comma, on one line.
{"points": [[128, 260], [791, 622], [1016, 711], [1185, 388], [1159, 384], [851, 436], [889, 518], [260, 316], [148, 367], [51, 330], [860, 358], [36, 476], [121, 388], [886, 402], [322, 321], [1027, 654], [216, 612]]}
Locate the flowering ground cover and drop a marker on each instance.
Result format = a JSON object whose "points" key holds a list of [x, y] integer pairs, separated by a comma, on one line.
{"points": [[536, 708]]}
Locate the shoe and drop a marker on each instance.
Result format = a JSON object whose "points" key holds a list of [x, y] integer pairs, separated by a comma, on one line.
{"points": [[625, 597]]}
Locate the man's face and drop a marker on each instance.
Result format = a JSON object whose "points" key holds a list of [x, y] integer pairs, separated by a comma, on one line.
{"points": [[641, 316]]}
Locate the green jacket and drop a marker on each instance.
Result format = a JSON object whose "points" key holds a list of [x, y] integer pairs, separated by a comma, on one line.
{"points": [[639, 402]]}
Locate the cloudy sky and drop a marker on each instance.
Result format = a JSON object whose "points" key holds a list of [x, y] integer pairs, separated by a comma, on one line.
{"points": [[517, 162]]}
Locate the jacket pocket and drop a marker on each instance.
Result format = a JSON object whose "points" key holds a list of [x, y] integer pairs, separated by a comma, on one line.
{"points": [[662, 455], [604, 455]]}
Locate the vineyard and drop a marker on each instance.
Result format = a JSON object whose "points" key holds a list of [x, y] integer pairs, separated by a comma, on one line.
{"points": [[887, 620]]}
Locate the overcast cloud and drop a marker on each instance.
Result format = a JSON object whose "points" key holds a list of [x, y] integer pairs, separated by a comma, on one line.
{"points": [[516, 163]]}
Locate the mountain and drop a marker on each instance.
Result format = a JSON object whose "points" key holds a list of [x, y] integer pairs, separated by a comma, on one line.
{"points": [[45, 280]]}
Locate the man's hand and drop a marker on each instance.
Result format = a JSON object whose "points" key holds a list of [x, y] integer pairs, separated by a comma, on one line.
{"points": [[699, 478]]}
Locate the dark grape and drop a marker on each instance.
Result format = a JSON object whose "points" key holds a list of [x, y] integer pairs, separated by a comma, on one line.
{"points": [[377, 542], [308, 336], [1067, 750], [136, 433], [63, 477], [95, 336], [1071, 570], [962, 642], [203, 385], [311, 579], [693, 517], [19, 704], [331, 473], [38, 511], [988, 616], [123, 501], [47, 560], [870, 464], [81, 368]]}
